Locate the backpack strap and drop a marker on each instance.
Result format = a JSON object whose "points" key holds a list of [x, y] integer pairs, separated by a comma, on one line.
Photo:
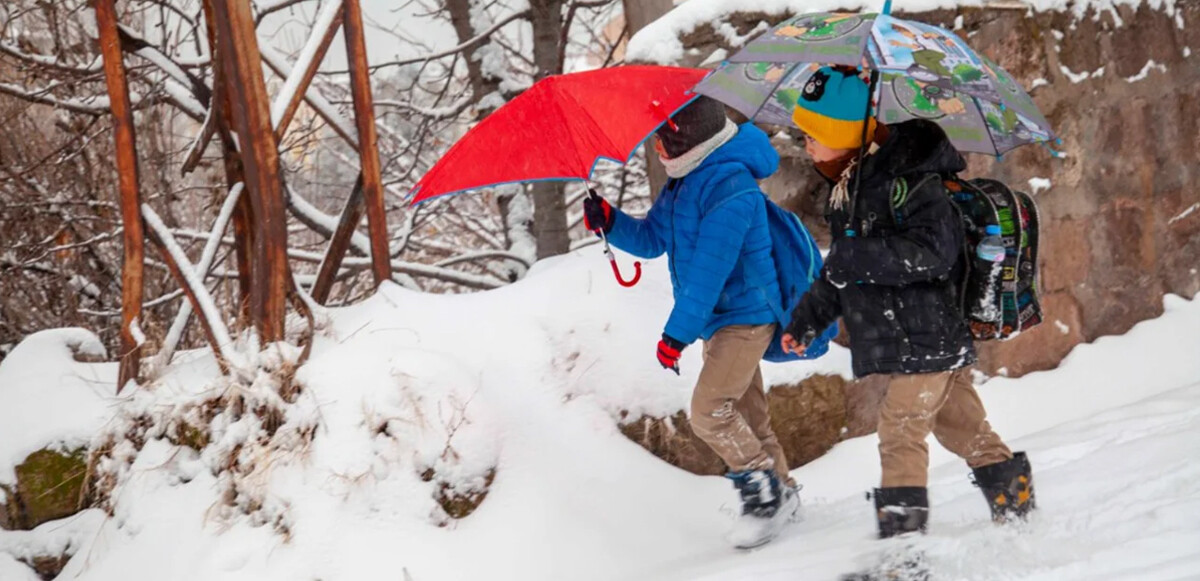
{"points": [[901, 192]]}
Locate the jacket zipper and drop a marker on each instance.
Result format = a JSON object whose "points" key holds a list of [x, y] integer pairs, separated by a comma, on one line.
{"points": [[672, 186]]}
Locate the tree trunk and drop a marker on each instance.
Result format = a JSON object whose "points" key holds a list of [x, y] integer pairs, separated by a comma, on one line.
{"points": [[370, 179], [639, 13], [238, 49], [127, 183], [482, 84], [549, 207]]}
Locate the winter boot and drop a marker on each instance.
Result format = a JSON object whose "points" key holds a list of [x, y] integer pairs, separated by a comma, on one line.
{"points": [[901, 510], [1008, 487], [767, 505]]}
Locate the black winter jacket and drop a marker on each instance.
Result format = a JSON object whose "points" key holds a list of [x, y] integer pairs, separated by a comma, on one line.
{"points": [[893, 279]]}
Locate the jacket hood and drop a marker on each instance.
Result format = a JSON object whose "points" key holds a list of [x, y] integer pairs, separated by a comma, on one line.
{"points": [[915, 147], [749, 147]]}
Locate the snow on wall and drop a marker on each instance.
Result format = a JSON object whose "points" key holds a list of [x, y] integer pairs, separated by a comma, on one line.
{"points": [[659, 42]]}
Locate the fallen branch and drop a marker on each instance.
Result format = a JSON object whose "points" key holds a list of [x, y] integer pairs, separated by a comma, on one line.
{"points": [[175, 334], [202, 302]]}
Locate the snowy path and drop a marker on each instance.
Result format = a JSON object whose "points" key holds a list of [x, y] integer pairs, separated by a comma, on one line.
{"points": [[1119, 498]]}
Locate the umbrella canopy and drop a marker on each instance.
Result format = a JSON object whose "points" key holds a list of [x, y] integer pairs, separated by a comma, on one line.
{"points": [[561, 127], [925, 72]]}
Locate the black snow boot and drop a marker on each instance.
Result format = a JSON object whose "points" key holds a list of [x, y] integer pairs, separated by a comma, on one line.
{"points": [[901, 510], [1008, 487], [767, 505]]}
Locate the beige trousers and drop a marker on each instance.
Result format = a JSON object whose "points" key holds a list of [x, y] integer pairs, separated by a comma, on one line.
{"points": [[943, 403], [729, 406]]}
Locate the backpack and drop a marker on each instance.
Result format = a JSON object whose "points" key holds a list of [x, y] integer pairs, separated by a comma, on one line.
{"points": [[999, 303], [797, 264]]}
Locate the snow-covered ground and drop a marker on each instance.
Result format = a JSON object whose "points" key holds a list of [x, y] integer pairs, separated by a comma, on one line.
{"points": [[525, 386]]}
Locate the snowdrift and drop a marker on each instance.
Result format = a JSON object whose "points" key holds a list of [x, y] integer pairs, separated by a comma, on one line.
{"points": [[435, 437]]}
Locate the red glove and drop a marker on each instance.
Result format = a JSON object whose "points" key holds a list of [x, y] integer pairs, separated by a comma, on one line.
{"points": [[597, 213], [668, 353]]}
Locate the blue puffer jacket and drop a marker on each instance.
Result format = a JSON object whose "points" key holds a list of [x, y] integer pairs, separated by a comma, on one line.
{"points": [[712, 223]]}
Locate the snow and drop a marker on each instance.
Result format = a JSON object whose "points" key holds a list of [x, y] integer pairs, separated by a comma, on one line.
{"points": [[1185, 213], [1037, 185], [1145, 72], [659, 42], [531, 380], [1077, 78], [50, 399], [1187, 52], [135, 330]]}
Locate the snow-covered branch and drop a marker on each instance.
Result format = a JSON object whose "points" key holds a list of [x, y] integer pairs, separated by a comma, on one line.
{"points": [[175, 334], [222, 342]]}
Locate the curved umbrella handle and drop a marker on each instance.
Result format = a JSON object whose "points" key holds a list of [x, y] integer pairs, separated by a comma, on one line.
{"points": [[637, 273]]}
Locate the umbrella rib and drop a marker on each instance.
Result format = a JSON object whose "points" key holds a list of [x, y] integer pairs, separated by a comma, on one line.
{"points": [[979, 109], [591, 164], [574, 144], [771, 93]]}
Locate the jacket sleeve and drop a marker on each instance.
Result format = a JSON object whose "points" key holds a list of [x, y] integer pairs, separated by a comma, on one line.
{"points": [[645, 237], [818, 308], [721, 237], [926, 246]]}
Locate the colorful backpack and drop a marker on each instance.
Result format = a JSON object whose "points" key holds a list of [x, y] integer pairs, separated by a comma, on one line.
{"points": [[1001, 301]]}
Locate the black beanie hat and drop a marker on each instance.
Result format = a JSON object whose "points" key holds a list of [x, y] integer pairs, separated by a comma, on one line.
{"points": [[697, 122]]}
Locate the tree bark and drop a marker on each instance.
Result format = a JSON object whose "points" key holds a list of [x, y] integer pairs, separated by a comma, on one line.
{"points": [[243, 218], [549, 206], [639, 13], [238, 49], [482, 83], [127, 183], [368, 145]]}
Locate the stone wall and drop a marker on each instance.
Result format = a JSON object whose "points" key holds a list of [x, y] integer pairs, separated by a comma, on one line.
{"points": [[1117, 233], [1121, 220]]}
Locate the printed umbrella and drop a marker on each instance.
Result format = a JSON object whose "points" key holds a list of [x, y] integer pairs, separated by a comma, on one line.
{"points": [[921, 71], [560, 128]]}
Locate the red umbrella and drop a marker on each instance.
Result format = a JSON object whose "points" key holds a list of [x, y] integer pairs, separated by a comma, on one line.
{"points": [[561, 127]]}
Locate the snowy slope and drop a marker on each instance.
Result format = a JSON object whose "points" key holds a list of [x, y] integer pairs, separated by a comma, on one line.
{"points": [[531, 380]]}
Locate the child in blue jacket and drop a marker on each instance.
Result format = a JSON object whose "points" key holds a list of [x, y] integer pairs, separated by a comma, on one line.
{"points": [[711, 221]]}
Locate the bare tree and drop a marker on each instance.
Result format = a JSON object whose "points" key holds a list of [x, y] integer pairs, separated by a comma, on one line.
{"points": [[59, 217]]}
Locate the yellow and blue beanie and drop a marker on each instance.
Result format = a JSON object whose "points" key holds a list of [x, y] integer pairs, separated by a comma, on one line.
{"points": [[831, 109]]}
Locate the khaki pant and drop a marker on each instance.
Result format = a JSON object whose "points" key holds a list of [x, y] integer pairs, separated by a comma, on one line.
{"points": [[945, 403], [729, 406]]}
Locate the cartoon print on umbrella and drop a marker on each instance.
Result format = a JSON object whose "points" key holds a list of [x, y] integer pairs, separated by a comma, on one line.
{"points": [[819, 27], [923, 72]]}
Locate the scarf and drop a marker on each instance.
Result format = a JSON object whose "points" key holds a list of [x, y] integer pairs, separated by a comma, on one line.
{"points": [[678, 167]]}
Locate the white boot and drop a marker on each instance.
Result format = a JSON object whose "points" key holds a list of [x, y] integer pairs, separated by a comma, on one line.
{"points": [[767, 505]]}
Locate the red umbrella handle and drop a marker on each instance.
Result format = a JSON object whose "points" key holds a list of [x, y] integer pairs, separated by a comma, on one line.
{"points": [[637, 273], [612, 259]]}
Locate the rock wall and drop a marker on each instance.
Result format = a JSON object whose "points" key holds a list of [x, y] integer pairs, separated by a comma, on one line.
{"points": [[1121, 219], [808, 418]]}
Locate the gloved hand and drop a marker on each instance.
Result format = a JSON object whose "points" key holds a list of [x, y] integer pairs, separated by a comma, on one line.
{"points": [[597, 213], [668, 353], [797, 337]]}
